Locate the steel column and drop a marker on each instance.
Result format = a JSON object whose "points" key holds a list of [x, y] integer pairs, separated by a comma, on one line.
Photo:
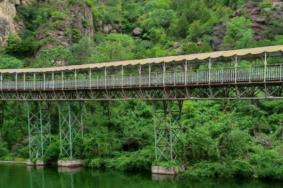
{"points": [[166, 134], [38, 129], [70, 128]]}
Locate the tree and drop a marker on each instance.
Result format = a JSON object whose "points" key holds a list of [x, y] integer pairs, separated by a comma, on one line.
{"points": [[10, 62], [53, 56], [114, 47], [239, 33], [158, 18], [82, 51]]}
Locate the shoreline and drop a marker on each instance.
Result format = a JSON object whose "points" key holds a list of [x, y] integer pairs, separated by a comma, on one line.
{"points": [[13, 162]]}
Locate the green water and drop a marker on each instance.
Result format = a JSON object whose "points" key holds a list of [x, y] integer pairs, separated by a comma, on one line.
{"points": [[24, 177]]}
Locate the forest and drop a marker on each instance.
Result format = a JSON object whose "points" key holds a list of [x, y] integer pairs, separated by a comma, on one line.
{"points": [[221, 138]]}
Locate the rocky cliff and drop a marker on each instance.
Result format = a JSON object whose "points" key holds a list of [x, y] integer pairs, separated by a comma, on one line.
{"points": [[262, 20], [77, 22], [7, 15]]}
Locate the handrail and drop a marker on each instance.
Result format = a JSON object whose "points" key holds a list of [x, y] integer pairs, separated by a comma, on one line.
{"points": [[217, 76]]}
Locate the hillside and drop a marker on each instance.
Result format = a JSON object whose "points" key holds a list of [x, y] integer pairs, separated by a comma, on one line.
{"points": [[223, 139]]}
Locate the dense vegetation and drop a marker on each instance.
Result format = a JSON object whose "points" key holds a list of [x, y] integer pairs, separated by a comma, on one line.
{"points": [[228, 138]]}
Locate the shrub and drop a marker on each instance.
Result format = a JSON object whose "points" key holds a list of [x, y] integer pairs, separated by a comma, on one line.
{"points": [[10, 62]]}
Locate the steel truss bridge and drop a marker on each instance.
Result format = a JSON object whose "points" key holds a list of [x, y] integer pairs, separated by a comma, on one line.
{"points": [[255, 73]]}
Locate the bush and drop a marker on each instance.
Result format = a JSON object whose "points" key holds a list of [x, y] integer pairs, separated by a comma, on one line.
{"points": [[139, 160], [3, 150], [209, 170], [53, 56], [114, 47], [239, 33], [8, 62], [22, 47]]}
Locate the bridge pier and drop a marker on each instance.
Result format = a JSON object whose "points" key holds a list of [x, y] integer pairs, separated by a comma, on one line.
{"points": [[39, 128], [71, 132], [166, 132]]}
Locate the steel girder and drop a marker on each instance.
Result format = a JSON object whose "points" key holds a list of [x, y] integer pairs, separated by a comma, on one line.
{"points": [[261, 91]]}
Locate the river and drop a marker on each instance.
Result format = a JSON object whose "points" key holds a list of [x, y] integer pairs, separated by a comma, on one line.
{"points": [[19, 176]]}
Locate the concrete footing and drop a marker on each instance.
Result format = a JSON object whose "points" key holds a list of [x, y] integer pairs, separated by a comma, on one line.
{"points": [[35, 163], [29, 163], [70, 163], [165, 170]]}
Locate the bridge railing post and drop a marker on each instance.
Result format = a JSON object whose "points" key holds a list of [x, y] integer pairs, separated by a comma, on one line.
{"points": [[149, 75], [34, 81], [140, 75], [53, 80], [265, 67], [16, 81], [44, 81], [1, 81], [236, 68], [76, 79], [280, 72], [186, 72], [24, 80], [209, 70], [90, 78], [122, 74], [62, 80], [164, 74], [105, 78]]}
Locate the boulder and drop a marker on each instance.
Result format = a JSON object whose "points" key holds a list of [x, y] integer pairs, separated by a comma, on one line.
{"points": [[137, 31]]}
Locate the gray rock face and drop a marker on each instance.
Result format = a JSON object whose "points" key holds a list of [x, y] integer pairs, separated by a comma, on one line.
{"points": [[77, 24], [4, 30], [7, 15]]}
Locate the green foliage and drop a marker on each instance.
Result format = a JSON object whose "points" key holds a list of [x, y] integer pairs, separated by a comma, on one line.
{"points": [[10, 62], [208, 169], [233, 3], [21, 47], [52, 150], [3, 149], [200, 146], [114, 47], [52, 56], [82, 51], [139, 160], [158, 18], [239, 33]]}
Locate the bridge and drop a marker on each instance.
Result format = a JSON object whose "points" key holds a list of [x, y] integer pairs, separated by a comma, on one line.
{"points": [[234, 74], [255, 73]]}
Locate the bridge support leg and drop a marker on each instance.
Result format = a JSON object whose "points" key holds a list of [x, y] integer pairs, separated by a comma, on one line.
{"points": [[38, 131], [166, 132], [70, 132]]}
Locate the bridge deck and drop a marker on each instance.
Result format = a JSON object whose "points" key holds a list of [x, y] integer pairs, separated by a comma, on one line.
{"points": [[180, 77]]}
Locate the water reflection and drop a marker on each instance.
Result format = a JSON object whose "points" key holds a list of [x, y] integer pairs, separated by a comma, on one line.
{"points": [[23, 177], [49, 178], [157, 177], [36, 177]]}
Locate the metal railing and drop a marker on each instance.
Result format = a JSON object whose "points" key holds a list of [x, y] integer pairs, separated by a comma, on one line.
{"points": [[259, 74]]}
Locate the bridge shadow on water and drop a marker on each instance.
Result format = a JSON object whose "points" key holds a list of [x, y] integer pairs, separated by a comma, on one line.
{"points": [[24, 177]]}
